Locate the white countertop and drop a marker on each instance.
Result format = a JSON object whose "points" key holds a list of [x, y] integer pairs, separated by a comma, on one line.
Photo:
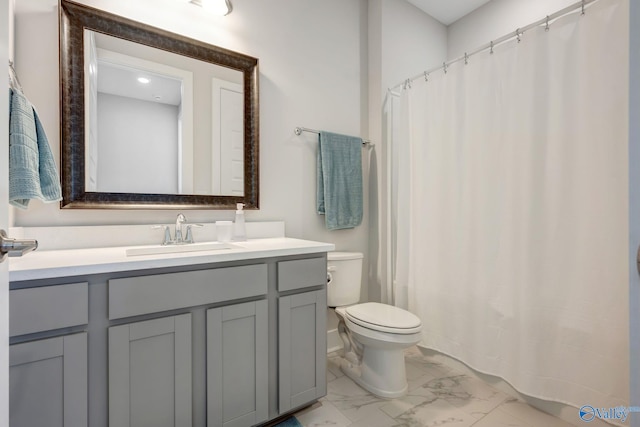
{"points": [[75, 262]]}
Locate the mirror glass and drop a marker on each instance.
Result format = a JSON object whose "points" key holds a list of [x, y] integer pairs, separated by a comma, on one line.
{"points": [[141, 103], [152, 119]]}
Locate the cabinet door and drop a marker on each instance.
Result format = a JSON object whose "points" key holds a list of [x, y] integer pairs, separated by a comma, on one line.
{"points": [[302, 341], [150, 373], [48, 382], [237, 370]]}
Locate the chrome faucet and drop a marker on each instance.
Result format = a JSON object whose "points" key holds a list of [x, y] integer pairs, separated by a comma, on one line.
{"points": [[178, 239], [181, 219], [189, 237]]}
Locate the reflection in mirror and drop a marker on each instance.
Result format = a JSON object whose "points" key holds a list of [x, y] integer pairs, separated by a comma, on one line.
{"points": [[141, 105], [151, 119]]}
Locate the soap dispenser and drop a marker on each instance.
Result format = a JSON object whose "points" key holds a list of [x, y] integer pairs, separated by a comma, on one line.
{"points": [[239, 229]]}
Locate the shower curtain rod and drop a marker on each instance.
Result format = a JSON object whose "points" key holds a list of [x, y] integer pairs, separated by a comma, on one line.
{"points": [[299, 130], [517, 33]]}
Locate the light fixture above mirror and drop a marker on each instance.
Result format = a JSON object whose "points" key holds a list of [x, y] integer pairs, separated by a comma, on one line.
{"points": [[217, 7]]}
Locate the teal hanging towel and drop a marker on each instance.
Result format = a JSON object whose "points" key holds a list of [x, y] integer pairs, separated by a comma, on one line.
{"points": [[339, 181], [32, 168]]}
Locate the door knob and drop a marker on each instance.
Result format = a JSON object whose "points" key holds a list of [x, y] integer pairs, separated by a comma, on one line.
{"points": [[15, 247]]}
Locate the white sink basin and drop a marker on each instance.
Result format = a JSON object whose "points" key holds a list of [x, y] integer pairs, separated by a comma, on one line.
{"points": [[172, 249]]}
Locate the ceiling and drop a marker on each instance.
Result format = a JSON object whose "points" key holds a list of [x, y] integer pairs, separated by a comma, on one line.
{"points": [[122, 80], [448, 11], [34, 6], [445, 11]]}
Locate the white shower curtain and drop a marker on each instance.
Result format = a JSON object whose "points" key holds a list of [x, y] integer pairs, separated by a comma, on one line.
{"points": [[512, 209]]}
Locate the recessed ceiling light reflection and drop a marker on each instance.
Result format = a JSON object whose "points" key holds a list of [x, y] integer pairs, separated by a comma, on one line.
{"points": [[143, 80]]}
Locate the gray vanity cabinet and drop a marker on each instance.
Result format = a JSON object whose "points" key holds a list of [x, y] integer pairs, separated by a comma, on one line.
{"points": [[48, 382], [150, 373], [227, 344], [155, 380], [302, 334], [48, 360], [237, 365]]}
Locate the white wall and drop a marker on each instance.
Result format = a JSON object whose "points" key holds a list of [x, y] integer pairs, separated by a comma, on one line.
{"points": [[634, 206], [496, 19], [412, 42], [403, 42], [312, 73], [143, 130]]}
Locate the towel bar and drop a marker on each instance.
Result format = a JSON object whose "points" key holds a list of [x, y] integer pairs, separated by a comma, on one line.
{"points": [[298, 131]]}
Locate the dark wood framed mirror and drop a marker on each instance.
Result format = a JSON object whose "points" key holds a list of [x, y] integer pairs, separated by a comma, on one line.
{"points": [[197, 184]]}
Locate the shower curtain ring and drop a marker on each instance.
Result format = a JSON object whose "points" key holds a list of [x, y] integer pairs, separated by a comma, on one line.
{"points": [[491, 50], [546, 27], [444, 67], [426, 76], [466, 59], [582, 7], [518, 34]]}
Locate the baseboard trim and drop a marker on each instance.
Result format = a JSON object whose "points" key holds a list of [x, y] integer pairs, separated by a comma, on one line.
{"points": [[334, 343]]}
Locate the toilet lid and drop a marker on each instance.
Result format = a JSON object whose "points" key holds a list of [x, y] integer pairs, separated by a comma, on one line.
{"points": [[383, 317]]}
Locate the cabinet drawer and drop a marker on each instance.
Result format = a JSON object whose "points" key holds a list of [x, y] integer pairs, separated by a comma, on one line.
{"points": [[46, 308], [301, 273], [134, 296]]}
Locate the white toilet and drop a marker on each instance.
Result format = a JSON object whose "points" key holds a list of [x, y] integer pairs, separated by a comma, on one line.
{"points": [[374, 335]]}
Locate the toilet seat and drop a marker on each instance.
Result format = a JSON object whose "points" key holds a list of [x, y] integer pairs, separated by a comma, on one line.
{"points": [[383, 318]]}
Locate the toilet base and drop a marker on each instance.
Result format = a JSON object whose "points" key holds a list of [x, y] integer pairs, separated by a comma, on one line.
{"points": [[388, 382]]}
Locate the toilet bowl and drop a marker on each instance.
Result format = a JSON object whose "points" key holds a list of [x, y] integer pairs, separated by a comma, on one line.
{"points": [[374, 335]]}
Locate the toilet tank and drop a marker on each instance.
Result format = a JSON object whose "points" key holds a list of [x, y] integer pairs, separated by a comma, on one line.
{"points": [[344, 277]]}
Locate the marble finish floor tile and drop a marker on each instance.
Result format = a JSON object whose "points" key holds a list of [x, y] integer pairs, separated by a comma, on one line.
{"points": [[414, 357], [531, 415], [375, 419], [499, 418], [322, 415], [438, 396], [352, 400], [466, 393], [431, 413]]}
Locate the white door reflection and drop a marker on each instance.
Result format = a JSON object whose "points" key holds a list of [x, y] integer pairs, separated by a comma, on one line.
{"points": [[228, 138]]}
